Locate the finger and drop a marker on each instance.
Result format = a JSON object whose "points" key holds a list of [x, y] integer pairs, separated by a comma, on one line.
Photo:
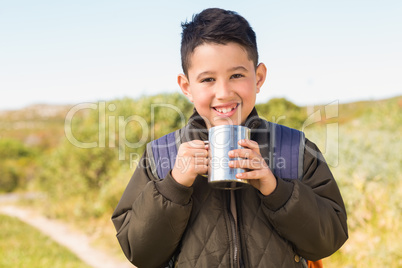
{"points": [[192, 153], [251, 164], [201, 166], [200, 161], [202, 170], [196, 144], [200, 153], [249, 144], [264, 175], [243, 153], [206, 143], [252, 175]]}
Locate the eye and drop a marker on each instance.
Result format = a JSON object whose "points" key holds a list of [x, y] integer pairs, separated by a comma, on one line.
{"points": [[237, 76], [207, 80]]}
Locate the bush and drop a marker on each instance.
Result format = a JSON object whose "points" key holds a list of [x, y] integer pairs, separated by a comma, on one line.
{"points": [[282, 111], [14, 149], [368, 175], [16, 166], [82, 182]]}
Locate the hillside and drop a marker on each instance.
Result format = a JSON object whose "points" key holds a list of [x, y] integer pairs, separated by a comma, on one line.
{"points": [[83, 164], [44, 123], [36, 125]]}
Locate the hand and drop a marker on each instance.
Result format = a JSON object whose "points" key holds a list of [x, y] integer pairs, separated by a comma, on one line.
{"points": [[259, 174], [191, 160]]}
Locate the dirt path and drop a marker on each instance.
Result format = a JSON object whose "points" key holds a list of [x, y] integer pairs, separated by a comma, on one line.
{"points": [[78, 243]]}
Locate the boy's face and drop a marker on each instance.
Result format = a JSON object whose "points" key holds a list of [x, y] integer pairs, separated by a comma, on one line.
{"points": [[222, 83]]}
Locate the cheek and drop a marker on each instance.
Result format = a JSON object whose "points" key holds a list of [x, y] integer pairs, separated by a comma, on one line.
{"points": [[247, 93], [202, 101], [247, 86]]}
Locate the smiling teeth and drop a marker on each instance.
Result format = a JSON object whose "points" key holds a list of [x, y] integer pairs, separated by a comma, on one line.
{"points": [[224, 110]]}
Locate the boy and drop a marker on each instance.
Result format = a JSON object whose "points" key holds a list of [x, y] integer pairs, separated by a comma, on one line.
{"points": [[180, 220]]}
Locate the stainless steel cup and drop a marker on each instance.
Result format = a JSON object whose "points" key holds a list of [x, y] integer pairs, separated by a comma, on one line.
{"points": [[223, 139]]}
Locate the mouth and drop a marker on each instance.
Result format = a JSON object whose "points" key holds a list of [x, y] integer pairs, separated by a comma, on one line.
{"points": [[226, 110]]}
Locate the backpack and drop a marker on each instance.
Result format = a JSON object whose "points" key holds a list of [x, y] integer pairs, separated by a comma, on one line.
{"points": [[287, 146]]}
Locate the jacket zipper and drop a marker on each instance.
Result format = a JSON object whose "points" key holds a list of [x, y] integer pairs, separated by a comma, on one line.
{"points": [[235, 236], [235, 247]]}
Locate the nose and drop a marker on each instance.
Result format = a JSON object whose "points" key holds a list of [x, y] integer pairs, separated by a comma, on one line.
{"points": [[223, 91]]}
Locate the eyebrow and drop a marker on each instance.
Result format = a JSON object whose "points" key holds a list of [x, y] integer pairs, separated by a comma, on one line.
{"points": [[206, 73], [236, 68]]}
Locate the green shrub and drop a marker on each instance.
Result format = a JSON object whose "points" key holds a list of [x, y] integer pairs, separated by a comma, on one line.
{"points": [[16, 165], [369, 177], [282, 111], [72, 176]]}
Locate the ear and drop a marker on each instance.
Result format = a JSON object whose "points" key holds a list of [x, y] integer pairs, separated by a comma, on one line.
{"points": [[261, 74], [184, 84]]}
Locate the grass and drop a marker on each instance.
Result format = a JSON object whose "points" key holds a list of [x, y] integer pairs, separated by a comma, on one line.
{"points": [[23, 246], [367, 165]]}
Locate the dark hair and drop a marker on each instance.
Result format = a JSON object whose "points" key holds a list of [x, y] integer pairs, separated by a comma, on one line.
{"points": [[215, 25]]}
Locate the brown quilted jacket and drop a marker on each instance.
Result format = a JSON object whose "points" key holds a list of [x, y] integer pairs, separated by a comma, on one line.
{"points": [[157, 219]]}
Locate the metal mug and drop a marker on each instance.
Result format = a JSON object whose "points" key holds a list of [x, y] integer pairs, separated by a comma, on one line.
{"points": [[223, 139]]}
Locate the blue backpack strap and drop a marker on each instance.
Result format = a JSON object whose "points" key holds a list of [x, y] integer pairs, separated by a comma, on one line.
{"points": [[162, 153], [287, 151]]}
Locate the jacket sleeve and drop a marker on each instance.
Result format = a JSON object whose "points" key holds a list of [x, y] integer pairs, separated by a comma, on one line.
{"points": [[309, 213], [151, 217]]}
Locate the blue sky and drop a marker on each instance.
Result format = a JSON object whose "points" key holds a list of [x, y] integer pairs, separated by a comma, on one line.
{"points": [[316, 52]]}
